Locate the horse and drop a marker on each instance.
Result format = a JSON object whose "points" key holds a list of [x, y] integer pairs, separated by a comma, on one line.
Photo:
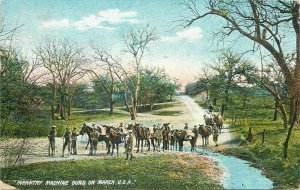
{"points": [[205, 132], [114, 137], [173, 141], [219, 121], [88, 130], [165, 133], [142, 134], [158, 136], [179, 136]]}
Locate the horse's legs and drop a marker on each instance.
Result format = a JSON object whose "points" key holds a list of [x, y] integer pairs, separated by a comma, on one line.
{"points": [[107, 145], [87, 144], [117, 149], [113, 147], [148, 142], [153, 145], [142, 145], [138, 146]]}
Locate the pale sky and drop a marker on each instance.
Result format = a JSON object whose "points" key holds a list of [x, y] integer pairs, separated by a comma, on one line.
{"points": [[182, 52]]}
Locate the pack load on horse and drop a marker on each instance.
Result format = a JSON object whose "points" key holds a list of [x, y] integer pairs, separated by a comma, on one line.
{"points": [[142, 134], [205, 132], [87, 129], [114, 138]]}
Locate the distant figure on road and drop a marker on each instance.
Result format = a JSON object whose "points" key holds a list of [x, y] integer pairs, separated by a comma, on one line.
{"points": [[51, 138], [67, 141], [215, 134]]}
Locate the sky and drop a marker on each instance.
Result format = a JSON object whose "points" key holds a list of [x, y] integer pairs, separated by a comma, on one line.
{"points": [[181, 51]]}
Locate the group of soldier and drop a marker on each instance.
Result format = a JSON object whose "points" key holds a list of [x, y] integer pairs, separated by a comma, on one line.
{"points": [[70, 141]]}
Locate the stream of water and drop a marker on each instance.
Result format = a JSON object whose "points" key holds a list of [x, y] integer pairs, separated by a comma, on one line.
{"points": [[238, 174]]}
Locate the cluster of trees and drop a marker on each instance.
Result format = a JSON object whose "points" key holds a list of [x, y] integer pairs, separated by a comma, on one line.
{"points": [[62, 75], [272, 26]]}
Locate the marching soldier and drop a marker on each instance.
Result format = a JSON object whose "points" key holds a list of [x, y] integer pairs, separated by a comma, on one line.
{"points": [[215, 132], [67, 141], [186, 126], [51, 138], [93, 142], [74, 141], [129, 145]]}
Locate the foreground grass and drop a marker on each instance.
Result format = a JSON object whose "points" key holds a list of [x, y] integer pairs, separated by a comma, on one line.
{"points": [[171, 171], [268, 155]]}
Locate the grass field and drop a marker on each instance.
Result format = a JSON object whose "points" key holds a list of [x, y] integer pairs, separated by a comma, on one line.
{"points": [[267, 156], [171, 171]]}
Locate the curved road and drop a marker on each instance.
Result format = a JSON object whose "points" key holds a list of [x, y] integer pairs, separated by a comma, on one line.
{"points": [[197, 113]]}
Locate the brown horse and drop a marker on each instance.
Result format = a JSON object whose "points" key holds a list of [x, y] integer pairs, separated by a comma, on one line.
{"points": [[142, 134], [173, 140], [205, 132], [219, 121], [88, 130], [158, 137], [180, 136], [114, 137]]}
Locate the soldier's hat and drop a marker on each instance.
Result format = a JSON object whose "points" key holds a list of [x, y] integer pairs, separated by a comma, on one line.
{"points": [[186, 123], [53, 126], [129, 131]]}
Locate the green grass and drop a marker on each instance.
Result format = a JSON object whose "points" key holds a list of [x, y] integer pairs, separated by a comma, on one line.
{"points": [[159, 106], [167, 113], [267, 156], [170, 171]]}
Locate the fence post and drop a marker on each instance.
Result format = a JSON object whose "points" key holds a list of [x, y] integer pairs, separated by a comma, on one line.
{"points": [[263, 137]]}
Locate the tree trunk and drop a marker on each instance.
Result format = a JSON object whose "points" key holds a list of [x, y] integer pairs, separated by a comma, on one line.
{"points": [[275, 109], [69, 106], [215, 101], [111, 106], [53, 100], [62, 108], [222, 109], [286, 143]]}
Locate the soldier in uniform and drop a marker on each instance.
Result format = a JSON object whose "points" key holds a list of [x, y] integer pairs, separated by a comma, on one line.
{"points": [[93, 142], [74, 135], [215, 132], [67, 141], [129, 146], [51, 138]]}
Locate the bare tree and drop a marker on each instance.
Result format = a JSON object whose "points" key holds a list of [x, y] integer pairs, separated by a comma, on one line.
{"points": [[269, 24], [104, 73], [136, 42], [63, 60]]}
